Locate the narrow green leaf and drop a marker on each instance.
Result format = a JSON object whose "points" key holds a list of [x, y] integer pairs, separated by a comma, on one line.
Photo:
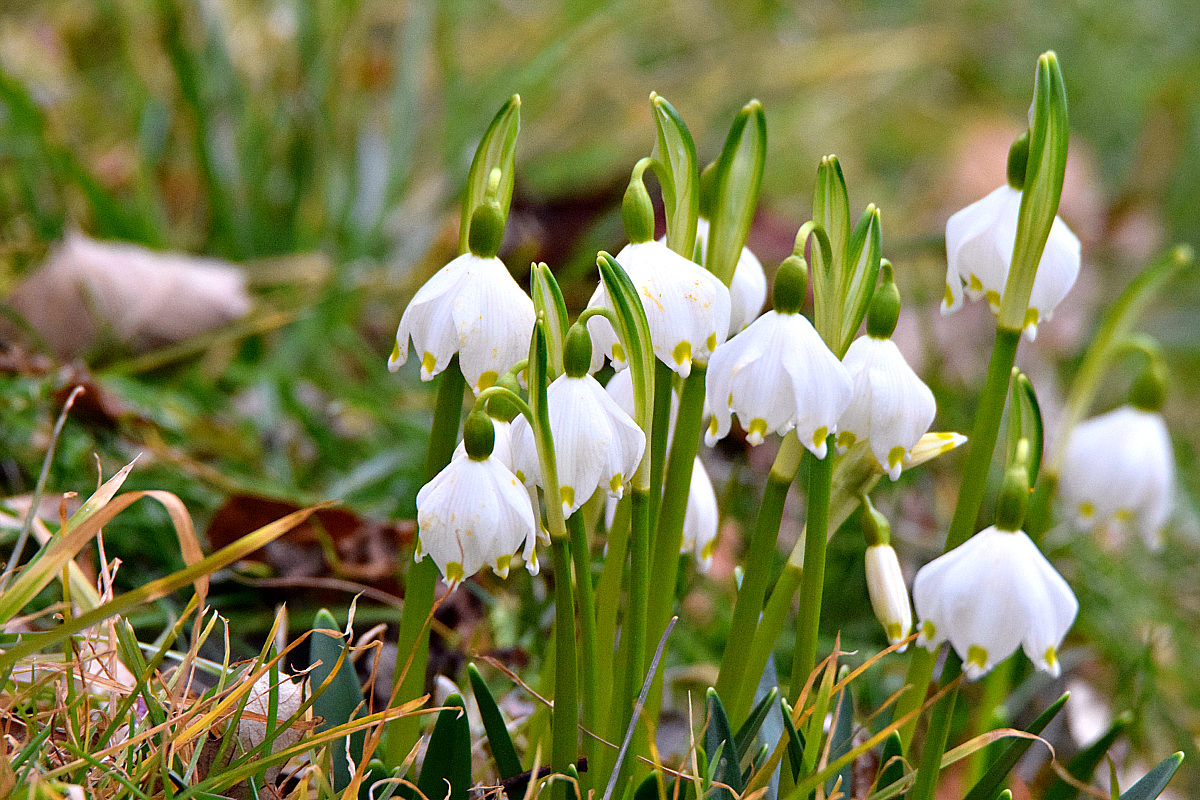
{"points": [[508, 763], [795, 740], [745, 735], [648, 788], [990, 784], [680, 176], [891, 761], [1031, 425], [721, 749], [497, 151], [1155, 781], [841, 740], [548, 298], [633, 330], [831, 205], [738, 177], [1085, 761], [341, 701], [862, 272], [448, 757]]}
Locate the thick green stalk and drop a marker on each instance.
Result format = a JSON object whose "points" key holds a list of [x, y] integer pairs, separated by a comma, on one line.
{"points": [[582, 555], [663, 389], [980, 448], [422, 577], [936, 736], [668, 534], [634, 626], [608, 603], [758, 565], [812, 582], [762, 645], [565, 726]]}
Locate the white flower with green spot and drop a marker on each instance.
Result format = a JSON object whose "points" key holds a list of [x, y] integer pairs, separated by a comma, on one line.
{"points": [[687, 308], [596, 444], [473, 307], [1118, 470], [776, 375], [888, 592], [475, 513], [701, 518], [991, 594], [891, 408], [979, 249]]}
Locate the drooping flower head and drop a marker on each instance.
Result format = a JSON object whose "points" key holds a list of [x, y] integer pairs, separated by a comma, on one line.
{"points": [[475, 513], [994, 592], [778, 374], [1118, 468], [885, 582], [472, 307], [596, 444], [979, 250], [891, 407]]}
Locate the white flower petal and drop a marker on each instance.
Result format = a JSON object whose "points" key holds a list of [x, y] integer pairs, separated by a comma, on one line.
{"points": [[888, 593], [701, 518]]}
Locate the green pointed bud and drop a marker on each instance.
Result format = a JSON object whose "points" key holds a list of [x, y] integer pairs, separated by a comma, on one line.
{"points": [[577, 352], [479, 436], [791, 285], [1014, 493], [875, 527], [1149, 390], [1018, 159], [637, 211], [885, 304], [487, 230], [501, 406]]}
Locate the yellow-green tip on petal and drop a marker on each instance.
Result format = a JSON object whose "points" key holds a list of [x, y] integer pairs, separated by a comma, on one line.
{"points": [[428, 364], [454, 573], [567, 493], [977, 661], [756, 432], [501, 566]]}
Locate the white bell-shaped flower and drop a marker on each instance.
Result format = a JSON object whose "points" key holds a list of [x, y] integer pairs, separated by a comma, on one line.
{"points": [[890, 406], [473, 307], [596, 444], [701, 518], [747, 290], [1118, 469], [776, 375], [475, 513], [687, 308], [990, 594], [888, 592], [979, 249]]}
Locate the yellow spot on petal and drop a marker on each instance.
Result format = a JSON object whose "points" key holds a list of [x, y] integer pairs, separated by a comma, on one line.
{"points": [[501, 566], [1051, 657], [974, 284], [428, 362], [846, 439], [616, 482], [948, 297], [993, 298], [895, 632], [618, 352], [1087, 509], [568, 495], [1123, 515], [454, 572], [519, 475], [395, 356], [708, 550], [712, 426], [1031, 317], [978, 656], [895, 456], [928, 630], [757, 430], [711, 342], [486, 380], [819, 435], [682, 352]]}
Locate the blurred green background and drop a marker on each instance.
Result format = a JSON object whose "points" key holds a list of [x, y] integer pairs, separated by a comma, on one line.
{"points": [[321, 146]]}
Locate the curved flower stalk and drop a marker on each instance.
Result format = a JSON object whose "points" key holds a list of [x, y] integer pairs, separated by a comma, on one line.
{"points": [[596, 444], [686, 306], [1118, 470], [473, 307], [979, 250], [475, 513], [778, 374], [891, 407], [989, 595]]}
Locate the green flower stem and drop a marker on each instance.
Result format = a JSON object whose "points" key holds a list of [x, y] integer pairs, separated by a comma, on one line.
{"points": [[980, 448], [608, 602], [812, 582], [582, 556], [758, 565], [936, 736], [762, 645], [668, 534], [635, 621], [987, 713], [422, 577], [565, 726], [658, 444]]}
